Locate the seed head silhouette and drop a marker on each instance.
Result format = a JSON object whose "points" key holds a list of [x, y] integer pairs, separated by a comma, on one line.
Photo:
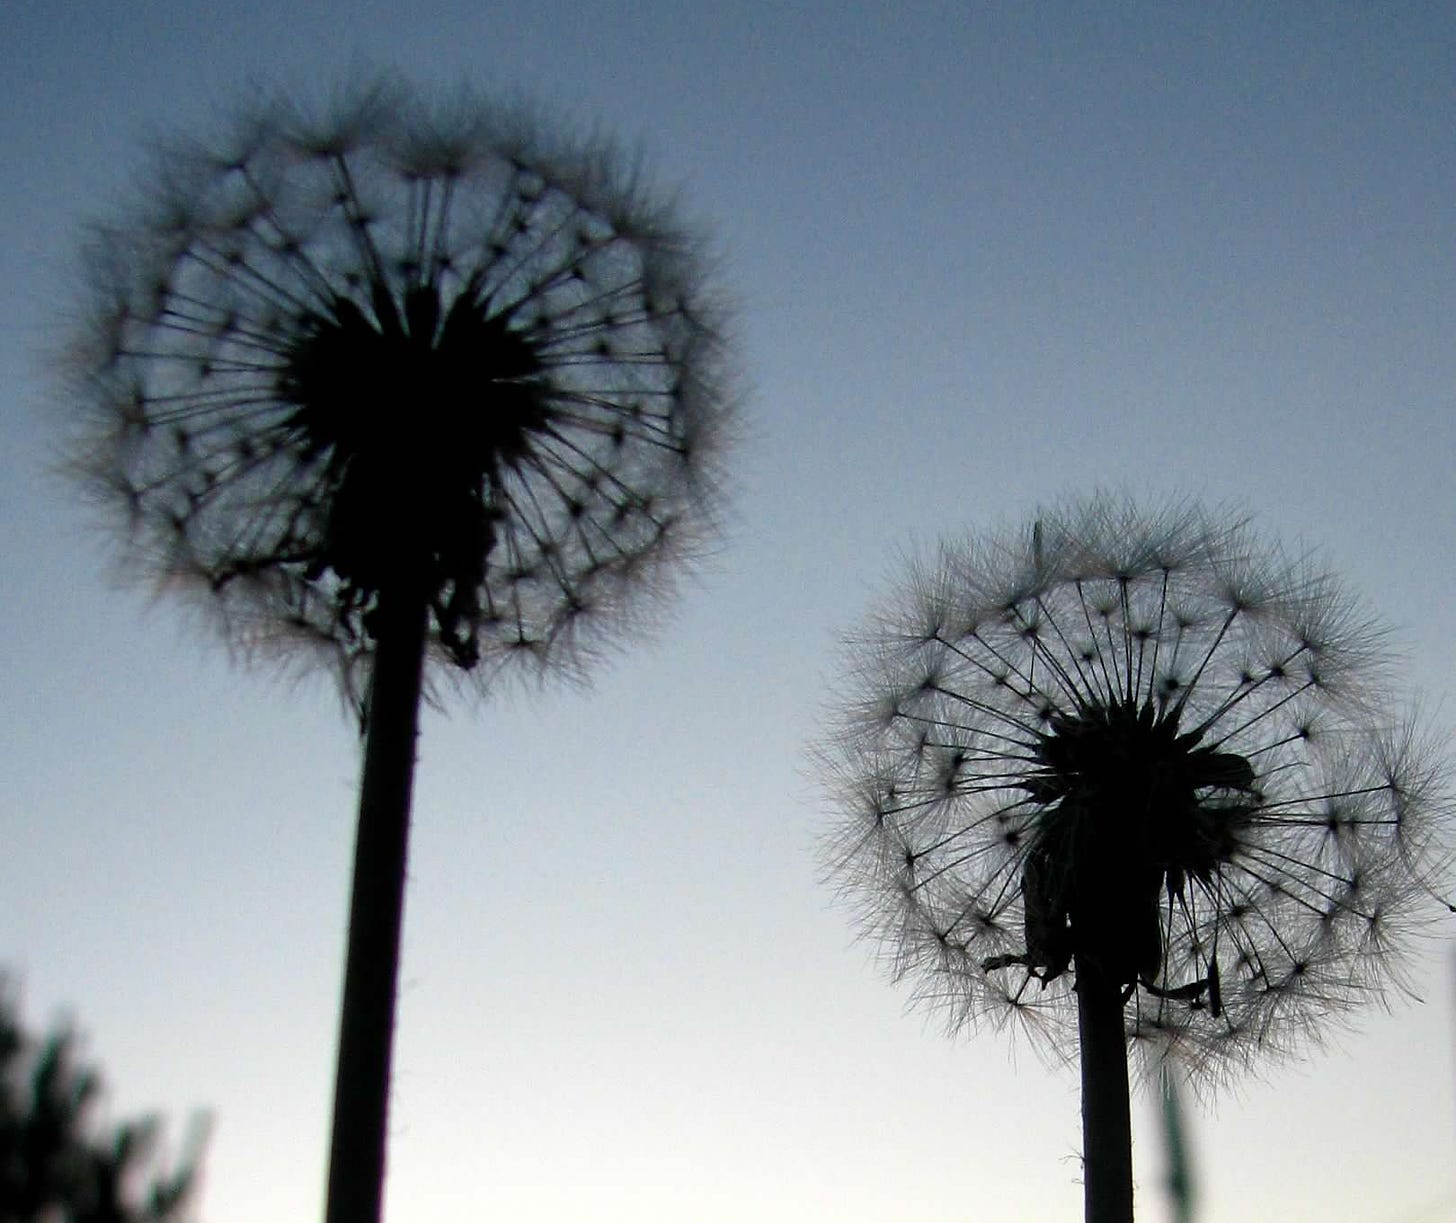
{"points": [[412, 384], [1133, 775]]}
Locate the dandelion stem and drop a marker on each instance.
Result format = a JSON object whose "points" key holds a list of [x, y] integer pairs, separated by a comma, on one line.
{"points": [[1106, 1111], [366, 1024]]}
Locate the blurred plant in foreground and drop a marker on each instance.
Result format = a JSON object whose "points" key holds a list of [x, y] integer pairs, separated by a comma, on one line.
{"points": [[410, 384], [55, 1164], [1180, 1183], [1131, 775]]}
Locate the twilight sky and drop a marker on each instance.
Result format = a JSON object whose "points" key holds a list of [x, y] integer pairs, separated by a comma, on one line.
{"points": [[984, 256]]}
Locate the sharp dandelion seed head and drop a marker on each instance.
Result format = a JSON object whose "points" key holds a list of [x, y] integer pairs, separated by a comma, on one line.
{"points": [[403, 342], [1142, 739]]}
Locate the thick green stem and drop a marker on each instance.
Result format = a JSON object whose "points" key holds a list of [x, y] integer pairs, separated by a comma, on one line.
{"points": [[1106, 1112], [366, 1023]]}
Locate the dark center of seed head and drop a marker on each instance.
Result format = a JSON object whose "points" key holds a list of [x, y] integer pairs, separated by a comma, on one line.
{"points": [[413, 409], [1130, 807]]}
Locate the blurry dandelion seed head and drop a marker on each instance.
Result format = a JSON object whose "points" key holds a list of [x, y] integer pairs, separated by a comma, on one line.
{"points": [[405, 344], [1141, 737]]}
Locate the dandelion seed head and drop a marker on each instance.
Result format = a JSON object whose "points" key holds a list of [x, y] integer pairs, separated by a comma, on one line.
{"points": [[1152, 741], [397, 340]]}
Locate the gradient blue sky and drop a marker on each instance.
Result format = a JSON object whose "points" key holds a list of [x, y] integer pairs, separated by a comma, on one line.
{"points": [[985, 255]]}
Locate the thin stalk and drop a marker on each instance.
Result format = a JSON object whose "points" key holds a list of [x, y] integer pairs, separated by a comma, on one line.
{"points": [[366, 1022], [1180, 1171], [1106, 1112]]}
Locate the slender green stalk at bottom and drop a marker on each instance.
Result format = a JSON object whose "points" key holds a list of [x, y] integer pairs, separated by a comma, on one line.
{"points": [[376, 911], [1180, 1166], [1106, 1111]]}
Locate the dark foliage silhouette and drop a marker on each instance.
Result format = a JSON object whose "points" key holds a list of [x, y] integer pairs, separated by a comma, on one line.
{"points": [[415, 385], [57, 1165], [1131, 775]]}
